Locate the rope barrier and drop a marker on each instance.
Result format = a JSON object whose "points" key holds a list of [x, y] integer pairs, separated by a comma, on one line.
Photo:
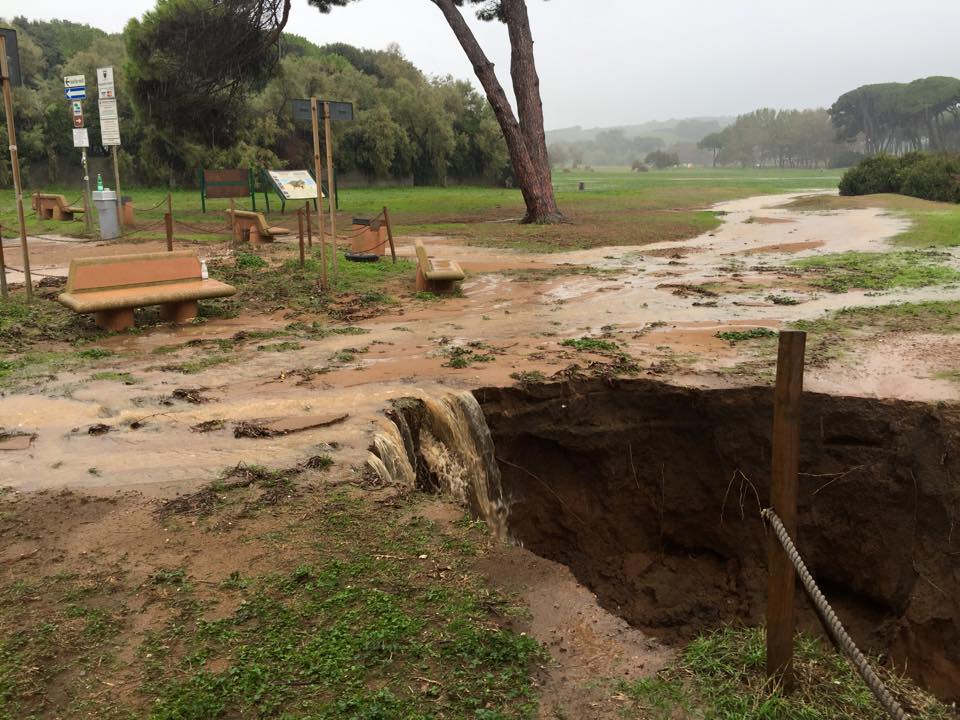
{"points": [[8, 266], [832, 623]]}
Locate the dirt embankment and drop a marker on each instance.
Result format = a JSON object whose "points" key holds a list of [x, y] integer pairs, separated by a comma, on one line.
{"points": [[650, 493]]}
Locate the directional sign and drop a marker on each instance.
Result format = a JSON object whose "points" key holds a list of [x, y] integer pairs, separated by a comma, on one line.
{"points": [[78, 121], [77, 108], [80, 138], [71, 81], [75, 93]]}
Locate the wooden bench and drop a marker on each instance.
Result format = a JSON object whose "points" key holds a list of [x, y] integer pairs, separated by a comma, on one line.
{"points": [[439, 276], [113, 286], [53, 207], [256, 224]]}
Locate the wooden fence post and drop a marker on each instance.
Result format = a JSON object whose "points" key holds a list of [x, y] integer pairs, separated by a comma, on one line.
{"points": [[781, 579], [300, 225], [3, 269], [168, 223], [309, 226], [386, 219]]}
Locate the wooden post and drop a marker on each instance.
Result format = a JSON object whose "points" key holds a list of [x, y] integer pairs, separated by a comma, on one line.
{"points": [[116, 180], [331, 190], [15, 164], [781, 580], [237, 237], [386, 220], [300, 224], [318, 176], [170, 203], [3, 269], [168, 222], [87, 200], [306, 210]]}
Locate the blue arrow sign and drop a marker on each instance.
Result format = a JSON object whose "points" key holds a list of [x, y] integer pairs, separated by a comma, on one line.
{"points": [[75, 93]]}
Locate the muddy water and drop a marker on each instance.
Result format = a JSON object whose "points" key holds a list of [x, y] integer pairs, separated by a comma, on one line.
{"points": [[520, 323]]}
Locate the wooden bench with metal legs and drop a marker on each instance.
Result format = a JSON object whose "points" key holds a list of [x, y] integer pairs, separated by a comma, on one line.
{"points": [[112, 287], [437, 276], [254, 223], [53, 207]]}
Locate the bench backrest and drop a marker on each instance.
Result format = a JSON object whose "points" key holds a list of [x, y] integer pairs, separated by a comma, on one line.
{"points": [[256, 217], [39, 196], [422, 258], [226, 183], [144, 269]]}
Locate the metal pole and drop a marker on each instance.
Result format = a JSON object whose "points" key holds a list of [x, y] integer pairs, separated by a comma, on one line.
{"points": [[319, 177], [3, 269], [781, 580], [306, 209], [386, 219], [116, 180], [331, 190], [15, 164], [87, 201]]}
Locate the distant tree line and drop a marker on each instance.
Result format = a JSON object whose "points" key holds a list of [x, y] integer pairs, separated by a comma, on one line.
{"points": [[408, 126]]}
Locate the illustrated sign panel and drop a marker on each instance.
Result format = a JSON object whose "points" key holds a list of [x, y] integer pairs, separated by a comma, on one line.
{"points": [[109, 122], [105, 82], [294, 184], [80, 138], [13, 55]]}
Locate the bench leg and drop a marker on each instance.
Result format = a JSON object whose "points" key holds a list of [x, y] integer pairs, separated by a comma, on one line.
{"points": [[116, 320], [423, 285], [443, 287], [180, 312]]}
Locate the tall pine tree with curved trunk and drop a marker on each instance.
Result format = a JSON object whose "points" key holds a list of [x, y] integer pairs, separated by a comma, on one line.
{"points": [[525, 138]]}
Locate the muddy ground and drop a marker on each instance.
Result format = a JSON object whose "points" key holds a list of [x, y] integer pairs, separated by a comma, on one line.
{"points": [[84, 496]]}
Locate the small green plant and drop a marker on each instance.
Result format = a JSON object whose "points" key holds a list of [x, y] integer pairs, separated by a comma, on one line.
{"points": [[737, 336], [249, 260], [783, 300], [94, 353], [593, 345], [528, 377], [840, 272]]}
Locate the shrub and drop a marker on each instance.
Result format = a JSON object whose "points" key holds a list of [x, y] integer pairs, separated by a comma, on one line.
{"points": [[934, 177], [877, 174]]}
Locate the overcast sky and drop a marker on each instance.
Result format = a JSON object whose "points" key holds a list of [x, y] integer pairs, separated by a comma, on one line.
{"points": [[618, 62]]}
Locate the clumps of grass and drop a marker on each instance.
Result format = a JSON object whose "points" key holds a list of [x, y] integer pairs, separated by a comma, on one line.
{"points": [[192, 367], [249, 260], [274, 485], [525, 378], [840, 272], [783, 300], [723, 675], [737, 336], [464, 356], [594, 345], [286, 346], [114, 376]]}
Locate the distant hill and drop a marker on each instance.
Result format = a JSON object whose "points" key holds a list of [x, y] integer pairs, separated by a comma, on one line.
{"points": [[669, 131]]}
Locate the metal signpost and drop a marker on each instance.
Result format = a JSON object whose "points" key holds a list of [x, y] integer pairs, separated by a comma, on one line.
{"points": [[75, 90], [110, 128], [10, 75]]}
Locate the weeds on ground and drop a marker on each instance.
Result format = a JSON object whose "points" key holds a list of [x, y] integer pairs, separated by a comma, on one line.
{"points": [[840, 272], [722, 675], [594, 345], [738, 336]]}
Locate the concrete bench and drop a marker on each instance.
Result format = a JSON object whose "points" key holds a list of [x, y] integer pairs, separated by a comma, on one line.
{"points": [[439, 276], [244, 220], [53, 207], [113, 286]]}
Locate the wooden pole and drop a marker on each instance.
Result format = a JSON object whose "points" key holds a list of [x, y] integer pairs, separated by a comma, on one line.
{"points": [[168, 223], [331, 190], [781, 581], [306, 210], [87, 202], [116, 181], [3, 269], [170, 203], [319, 177], [237, 237], [300, 224], [386, 219], [15, 164]]}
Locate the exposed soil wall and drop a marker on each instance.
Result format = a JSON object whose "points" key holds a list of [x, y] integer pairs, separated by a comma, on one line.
{"points": [[650, 493]]}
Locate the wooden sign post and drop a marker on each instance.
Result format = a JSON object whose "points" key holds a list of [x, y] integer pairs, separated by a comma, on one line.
{"points": [[781, 580], [5, 75], [328, 137], [318, 175]]}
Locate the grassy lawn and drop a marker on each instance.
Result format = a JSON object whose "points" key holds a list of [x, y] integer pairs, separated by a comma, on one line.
{"points": [[840, 272], [618, 207]]}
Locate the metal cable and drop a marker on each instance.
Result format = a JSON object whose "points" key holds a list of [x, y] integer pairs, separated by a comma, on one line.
{"points": [[832, 622]]}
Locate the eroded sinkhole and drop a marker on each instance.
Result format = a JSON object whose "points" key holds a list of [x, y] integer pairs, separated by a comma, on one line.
{"points": [[651, 493]]}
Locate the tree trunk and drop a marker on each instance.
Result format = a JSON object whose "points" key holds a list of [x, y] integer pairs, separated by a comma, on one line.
{"points": [[532, 178], [526, 88]]}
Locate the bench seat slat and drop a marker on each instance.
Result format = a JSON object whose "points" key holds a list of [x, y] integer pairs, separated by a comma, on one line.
{"points": [[116, 298]]}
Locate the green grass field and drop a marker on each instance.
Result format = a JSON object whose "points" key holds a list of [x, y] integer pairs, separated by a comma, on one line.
{"points": [[617, 207]]}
